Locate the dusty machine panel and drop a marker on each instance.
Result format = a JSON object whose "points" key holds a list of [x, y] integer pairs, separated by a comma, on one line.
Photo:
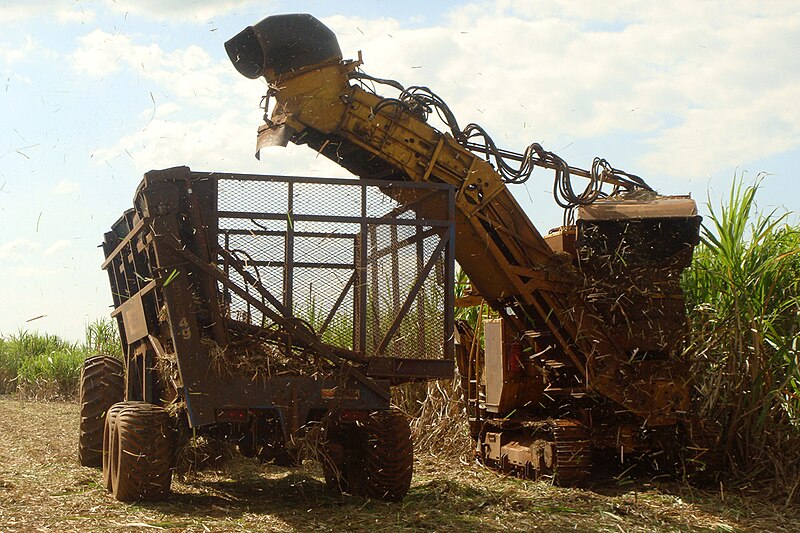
{"points": [[508, 380]]}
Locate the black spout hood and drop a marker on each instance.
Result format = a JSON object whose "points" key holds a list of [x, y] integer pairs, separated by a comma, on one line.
{"points": [[281, 44]]}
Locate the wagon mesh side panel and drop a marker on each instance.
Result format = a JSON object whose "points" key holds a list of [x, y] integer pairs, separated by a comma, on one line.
{"points": [[359, 264]]}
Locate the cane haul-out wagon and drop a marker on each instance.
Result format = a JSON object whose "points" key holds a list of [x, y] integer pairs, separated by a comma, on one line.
{"points": [[265, 309]]}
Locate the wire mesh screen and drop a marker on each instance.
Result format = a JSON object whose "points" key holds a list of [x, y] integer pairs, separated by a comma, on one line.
{"points": [[367, 265]]}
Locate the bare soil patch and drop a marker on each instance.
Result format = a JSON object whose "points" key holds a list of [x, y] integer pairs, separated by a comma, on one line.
{"points": [[43, 488]]}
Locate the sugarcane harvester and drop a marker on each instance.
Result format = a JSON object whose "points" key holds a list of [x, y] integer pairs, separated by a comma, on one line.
{"points": [[583, 355]]}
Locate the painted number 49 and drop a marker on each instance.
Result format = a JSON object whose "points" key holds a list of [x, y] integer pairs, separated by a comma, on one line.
{"points": [[186, 331]]}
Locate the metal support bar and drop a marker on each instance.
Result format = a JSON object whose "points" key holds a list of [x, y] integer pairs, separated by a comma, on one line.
{"points": [[333, 353], [404, 370], [362, 276], [417, 237], [288, 271], [124, 242], [326, 218], [338, 303], [291, 324], [413, 292], [253, 282], [449, 281]]}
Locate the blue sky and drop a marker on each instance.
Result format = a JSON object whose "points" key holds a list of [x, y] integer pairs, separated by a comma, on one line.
{"points": [[93, 94]]}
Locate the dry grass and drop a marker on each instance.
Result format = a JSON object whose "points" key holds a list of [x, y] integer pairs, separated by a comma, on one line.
{"points": [[43, 488]]}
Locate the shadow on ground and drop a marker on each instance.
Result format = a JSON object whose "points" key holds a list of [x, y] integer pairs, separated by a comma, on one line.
{"points": [[469, 500]]}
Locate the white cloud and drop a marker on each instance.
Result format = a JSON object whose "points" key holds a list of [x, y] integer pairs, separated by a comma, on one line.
{"points": [[17, 78], [56, 247], [100, 52], [205, 115], [194, 10], [197, 11], [13, 53], [190, 73], [698, 86], [166, 110], [9, 54], [19, 10], [702, 85], [163, 143], [223, 143], [79, 15], [17, 249], [65, 188]]}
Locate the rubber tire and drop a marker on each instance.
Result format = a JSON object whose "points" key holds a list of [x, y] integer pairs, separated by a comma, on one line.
{"points": [[109, 439], [374, 459], [102, 384], [143, 448], [387, 457]]}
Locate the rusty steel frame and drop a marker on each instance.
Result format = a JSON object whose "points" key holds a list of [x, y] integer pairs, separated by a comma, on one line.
{"points": [[165, 257]]}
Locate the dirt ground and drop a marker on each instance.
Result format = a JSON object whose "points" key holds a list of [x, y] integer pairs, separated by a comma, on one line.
{"points": [[42, 488]]}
